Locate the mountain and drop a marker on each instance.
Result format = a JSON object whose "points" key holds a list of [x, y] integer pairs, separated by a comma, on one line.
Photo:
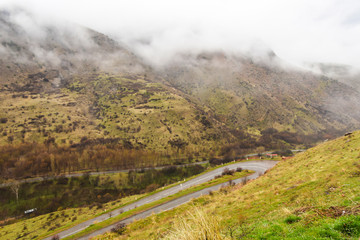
{"points": [[264, 94], [69, 86], [66, 85], [343, 73]]}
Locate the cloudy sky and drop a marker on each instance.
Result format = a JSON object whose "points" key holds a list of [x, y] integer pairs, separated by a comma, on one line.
{"points": [[298, 30]]}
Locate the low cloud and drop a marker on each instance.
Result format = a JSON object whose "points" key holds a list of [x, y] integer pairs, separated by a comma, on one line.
{"points": [[297, 31]]}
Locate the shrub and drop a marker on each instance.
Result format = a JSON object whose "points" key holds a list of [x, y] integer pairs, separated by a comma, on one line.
{"points": [[227, 171], [152, 187], [3, 120], [292, 219], [55, 237], [119, 228]]}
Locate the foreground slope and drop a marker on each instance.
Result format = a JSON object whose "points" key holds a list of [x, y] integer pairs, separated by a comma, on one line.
{"points": [[315, 195]]}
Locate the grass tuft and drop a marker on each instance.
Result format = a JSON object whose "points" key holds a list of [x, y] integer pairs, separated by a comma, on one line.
{"points": [[198, 225]]}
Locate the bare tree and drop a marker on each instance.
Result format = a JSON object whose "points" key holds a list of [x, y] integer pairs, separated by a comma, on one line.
{"points": [[15, 186]]}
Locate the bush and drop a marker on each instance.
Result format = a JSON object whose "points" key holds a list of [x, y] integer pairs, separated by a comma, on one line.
{"points": [[227, 171], [292, 219], [152, 187], [3, 120], [119, 228]]}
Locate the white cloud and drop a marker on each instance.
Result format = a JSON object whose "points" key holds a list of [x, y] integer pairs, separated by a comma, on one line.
{"points": [[297, 30]]}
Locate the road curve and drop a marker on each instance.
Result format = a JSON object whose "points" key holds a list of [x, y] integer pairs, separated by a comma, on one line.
{"points": [[258, 166]]}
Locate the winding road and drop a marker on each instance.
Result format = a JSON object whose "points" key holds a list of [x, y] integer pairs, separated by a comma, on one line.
{"points": [[258, 166]]}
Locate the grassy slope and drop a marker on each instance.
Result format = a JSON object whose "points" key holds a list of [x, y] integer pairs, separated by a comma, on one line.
{"points": [[300, 198], [253, 96], [106, 106]]}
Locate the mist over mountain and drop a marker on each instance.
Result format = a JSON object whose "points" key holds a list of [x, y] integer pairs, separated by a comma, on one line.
{"points": [[27, 41], [198, 96], [299, 31], [264, 93]]}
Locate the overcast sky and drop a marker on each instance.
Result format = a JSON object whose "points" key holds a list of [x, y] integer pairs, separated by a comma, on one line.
{"points": [[296, 30]]}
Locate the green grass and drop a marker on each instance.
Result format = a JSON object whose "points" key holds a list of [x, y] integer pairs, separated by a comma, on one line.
{"points": [[315, 195]]}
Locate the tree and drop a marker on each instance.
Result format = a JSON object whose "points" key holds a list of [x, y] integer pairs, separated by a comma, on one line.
{"points": [[178, 143], [15, 186]]}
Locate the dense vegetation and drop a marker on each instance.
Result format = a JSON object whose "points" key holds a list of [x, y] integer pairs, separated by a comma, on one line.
{"points": [[26, 160], [51, 195]]}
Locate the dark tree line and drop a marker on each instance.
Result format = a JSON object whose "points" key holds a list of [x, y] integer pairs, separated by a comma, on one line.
{"points": [[272, 139], [50, 195], [34, 159]]}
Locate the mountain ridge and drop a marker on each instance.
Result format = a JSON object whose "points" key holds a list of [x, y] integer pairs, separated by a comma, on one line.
{"points": [[229, 99]]}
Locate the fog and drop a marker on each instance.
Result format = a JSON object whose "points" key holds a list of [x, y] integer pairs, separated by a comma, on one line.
{"points": [[298, 31]]}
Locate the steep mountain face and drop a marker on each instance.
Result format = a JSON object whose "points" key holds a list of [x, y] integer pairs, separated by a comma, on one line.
{"points": [[64, 84], [67, 84], [264, 94], [32, 49]]}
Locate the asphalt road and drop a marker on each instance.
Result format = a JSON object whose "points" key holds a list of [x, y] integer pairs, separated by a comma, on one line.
{"points": [[258, 166]]}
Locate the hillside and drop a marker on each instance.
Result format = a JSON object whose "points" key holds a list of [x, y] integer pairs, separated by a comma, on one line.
{"points": [[314, 195], [65, 86], [88, 102], [257, 94]]}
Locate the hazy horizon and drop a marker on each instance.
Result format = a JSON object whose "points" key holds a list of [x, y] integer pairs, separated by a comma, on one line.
{"points": [[297, 31]]}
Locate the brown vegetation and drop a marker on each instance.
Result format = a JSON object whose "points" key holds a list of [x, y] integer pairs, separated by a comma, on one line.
{"points": [[34, 159]]}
